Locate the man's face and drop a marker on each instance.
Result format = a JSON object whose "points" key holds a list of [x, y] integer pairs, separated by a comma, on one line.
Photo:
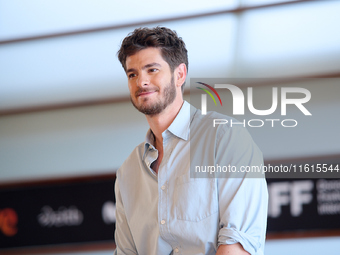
{"points": [[151, 83]]}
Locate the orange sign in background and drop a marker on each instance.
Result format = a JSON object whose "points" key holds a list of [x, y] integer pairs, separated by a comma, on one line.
{"points": [[8, 221]]}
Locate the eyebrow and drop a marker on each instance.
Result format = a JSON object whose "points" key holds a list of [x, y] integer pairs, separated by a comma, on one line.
{"points": [[144, 67]]}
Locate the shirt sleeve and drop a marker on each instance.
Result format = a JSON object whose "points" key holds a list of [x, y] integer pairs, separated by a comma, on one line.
{"points": [[123, 237], [243, 199]]}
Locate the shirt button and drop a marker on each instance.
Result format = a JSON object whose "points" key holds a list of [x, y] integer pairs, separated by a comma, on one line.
{"points": [[176, 250], [163, 187], [163, 222]]}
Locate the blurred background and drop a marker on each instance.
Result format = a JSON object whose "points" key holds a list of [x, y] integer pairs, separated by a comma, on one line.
{"points": [[64, 102]]}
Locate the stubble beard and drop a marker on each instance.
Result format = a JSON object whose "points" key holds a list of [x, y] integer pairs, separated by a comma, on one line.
{"points": [[168, 96]]}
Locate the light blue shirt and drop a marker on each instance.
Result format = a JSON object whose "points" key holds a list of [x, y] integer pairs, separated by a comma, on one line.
{"points": [[171, 213]]}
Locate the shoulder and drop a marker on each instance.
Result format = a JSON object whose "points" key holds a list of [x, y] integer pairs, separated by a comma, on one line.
{"points": [[131, 162], [226, 131], [217, 124]]}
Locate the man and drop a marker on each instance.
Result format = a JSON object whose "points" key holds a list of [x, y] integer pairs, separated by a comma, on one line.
{"points": [[160, 209]]}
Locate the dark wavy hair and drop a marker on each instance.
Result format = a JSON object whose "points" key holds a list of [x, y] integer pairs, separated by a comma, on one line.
{"points": [[172, 46]]}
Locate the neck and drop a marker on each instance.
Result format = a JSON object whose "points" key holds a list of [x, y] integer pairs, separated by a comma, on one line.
{"points": [[160, 122]]}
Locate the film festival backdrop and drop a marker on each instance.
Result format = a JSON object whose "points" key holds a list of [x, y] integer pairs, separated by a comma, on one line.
{"points": [[68, 212], [82, 211]]}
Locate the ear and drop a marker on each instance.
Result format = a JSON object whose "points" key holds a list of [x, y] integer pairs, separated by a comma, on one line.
{"points": [[180, 75]]}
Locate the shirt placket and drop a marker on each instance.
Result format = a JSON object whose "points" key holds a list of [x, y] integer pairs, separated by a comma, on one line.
{"points": [[164, 198]]}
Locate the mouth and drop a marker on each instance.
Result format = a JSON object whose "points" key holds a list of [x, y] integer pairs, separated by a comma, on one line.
{"points": [[145, 93]]}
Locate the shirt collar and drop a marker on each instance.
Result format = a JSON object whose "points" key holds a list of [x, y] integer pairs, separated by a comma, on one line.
{"points": [[149, 141], [180, 126]]}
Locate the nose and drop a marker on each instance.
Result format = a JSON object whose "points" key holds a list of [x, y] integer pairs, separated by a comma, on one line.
{"points": [[143, 80]]}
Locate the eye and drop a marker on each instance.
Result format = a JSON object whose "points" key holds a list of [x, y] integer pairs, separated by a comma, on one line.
{"points": [[131, 75], [152, 70]]}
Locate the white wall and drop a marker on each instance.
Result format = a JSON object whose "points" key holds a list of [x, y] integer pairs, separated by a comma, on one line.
{"points": [[70, 142]]}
